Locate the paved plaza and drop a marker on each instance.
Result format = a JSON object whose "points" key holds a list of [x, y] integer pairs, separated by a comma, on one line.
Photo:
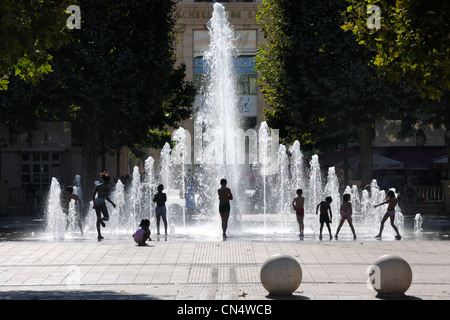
{"points": [[169, 268]]}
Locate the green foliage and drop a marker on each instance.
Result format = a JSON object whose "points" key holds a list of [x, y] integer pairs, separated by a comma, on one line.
{"points": [[413, 46], [317, 81], [413, 43], [115, 80], [16, 111], [28, 30], [320, 84], [118, 71]]}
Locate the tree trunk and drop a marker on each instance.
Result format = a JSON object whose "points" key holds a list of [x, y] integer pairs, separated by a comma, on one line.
{"points": [[118, 163], [103, 153], [365, 150], [346, 181], [447, 145], [89, 156]]}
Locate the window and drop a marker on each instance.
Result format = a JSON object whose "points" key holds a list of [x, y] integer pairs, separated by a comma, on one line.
{"points": [[201, 80], [38, 167], [246, 42], [246, 83], [244, 70], [247, 123]]}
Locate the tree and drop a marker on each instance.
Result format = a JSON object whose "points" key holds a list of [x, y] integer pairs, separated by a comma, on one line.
{"points": [[412, 45], [28, 30], [317, 79], [412, 42], [116, 78], [17, 111]]}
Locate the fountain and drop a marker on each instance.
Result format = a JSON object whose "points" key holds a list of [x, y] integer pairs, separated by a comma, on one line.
{"points": [[117, 219], [418, 223], [55, 222], [332, 190], [263, 188], [77, 186]]}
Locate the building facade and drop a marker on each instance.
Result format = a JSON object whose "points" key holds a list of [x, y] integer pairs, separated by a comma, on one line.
{"points": [[29, 162], [193, 41]]}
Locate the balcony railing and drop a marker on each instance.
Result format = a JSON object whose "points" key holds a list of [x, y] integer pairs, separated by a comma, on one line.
{"points": [[429, 193]]}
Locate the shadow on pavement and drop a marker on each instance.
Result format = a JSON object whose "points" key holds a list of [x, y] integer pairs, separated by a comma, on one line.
{"points": [[73, 295], [396, 297], [287, 297]]}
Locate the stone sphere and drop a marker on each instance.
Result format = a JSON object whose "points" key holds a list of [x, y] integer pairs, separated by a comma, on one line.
{"points": [[390, 274], [281, 274]]}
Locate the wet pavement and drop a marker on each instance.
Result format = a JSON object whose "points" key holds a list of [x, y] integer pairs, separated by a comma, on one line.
{"points": [[185, 269], [434, 228]]}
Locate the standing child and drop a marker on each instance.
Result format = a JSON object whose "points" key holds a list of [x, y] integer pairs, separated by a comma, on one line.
{"points": [[390, 213], [224, 205], [324, 217], [160, 198], [346, 214], [298, 204], [143, 233]]}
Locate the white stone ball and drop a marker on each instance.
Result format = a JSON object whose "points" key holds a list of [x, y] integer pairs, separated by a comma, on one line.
{"points": [[390, 274], [281, 275]]}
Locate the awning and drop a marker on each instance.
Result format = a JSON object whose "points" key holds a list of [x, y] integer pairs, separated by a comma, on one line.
{"points": [[379, 162], [419, 158], [441, 163]]}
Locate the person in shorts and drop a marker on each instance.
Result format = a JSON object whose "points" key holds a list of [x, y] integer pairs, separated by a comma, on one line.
{"points": [[346, 214], [224, 205], [298, 204], [324, 217], [161, 212]]}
